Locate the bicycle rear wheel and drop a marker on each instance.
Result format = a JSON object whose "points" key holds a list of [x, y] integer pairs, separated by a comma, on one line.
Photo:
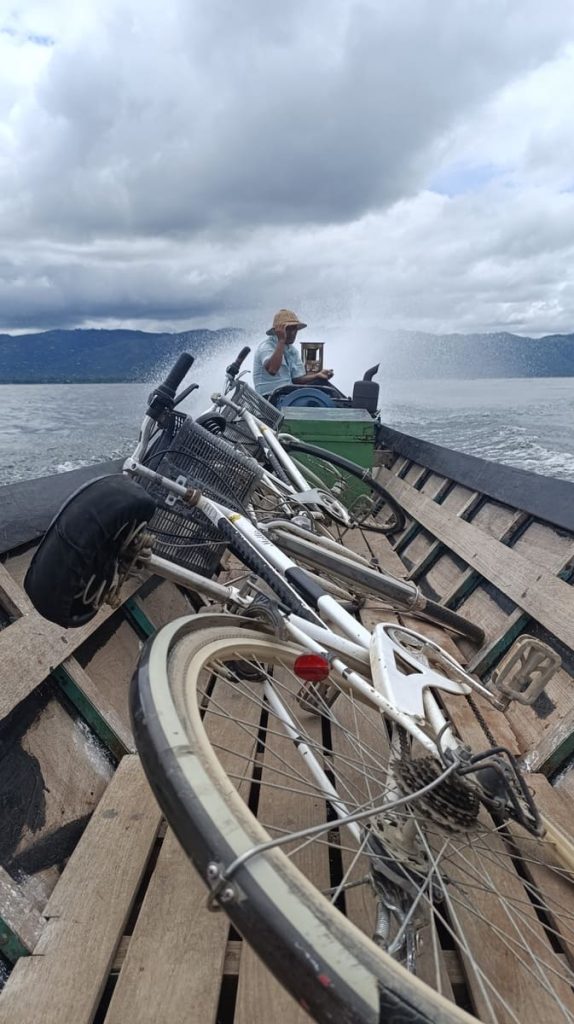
{"points": [[208, 712], [372, 508]]}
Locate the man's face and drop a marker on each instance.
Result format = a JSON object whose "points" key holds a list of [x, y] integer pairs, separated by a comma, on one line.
{"points": [[290, 335]]}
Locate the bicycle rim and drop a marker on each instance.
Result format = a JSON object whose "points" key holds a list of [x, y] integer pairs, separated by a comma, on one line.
{"points": [[216, 751], [371, 508]]}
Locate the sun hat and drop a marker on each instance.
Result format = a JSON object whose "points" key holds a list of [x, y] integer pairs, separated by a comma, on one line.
{"points": [[286, 318]]}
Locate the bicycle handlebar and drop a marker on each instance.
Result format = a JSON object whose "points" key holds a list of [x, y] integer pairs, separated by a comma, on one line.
{"points": [[234, 367], [162, 397], [176, 374]]}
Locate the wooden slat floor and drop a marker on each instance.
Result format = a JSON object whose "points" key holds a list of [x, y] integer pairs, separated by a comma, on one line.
{"points": [[126, 937]]}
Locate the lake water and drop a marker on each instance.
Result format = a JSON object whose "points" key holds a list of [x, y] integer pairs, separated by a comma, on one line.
{"points": [[51, 428]]}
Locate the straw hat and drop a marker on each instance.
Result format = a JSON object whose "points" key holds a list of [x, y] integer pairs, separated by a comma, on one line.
{"points": [[286, 318]]}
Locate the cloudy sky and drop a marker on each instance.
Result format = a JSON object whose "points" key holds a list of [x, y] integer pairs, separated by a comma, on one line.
{"points": [[167, 164]]}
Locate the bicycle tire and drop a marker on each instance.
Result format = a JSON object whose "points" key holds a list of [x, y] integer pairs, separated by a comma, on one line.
{"points": [[348, 980], [320, 462], [334, 970]]}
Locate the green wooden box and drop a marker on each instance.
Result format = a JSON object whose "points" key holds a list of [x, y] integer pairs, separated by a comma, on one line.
{"points": [[348, 432]]}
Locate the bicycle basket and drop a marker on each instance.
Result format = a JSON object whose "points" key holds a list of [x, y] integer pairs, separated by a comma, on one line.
{"points": [[247, 398], [161, 440], [237, 432], [183, 534]]}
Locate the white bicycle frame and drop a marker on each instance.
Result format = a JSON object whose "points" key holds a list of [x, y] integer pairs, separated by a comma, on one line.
{"points": [[299, 490], [406, 699]]}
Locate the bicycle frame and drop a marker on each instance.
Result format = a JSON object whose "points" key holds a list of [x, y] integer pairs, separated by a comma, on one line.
{"points": [[298, 489], [356, 643]]}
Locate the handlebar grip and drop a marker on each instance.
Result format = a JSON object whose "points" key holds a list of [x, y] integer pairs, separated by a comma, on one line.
{"points": [[177, 373], [234, 367]]}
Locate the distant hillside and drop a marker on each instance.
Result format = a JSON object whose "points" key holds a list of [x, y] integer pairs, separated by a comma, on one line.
{"points": [[91, 355], [417, 354]]}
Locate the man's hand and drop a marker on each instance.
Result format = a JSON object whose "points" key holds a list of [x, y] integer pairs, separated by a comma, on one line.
{"points": [[273, 364], [325, 374]]}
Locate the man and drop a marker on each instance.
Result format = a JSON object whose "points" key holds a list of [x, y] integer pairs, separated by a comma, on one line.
{"points": [[277, 363]]}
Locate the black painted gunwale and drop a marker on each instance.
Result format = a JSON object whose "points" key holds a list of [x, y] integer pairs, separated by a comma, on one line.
{"points": [[544, 497], [28, 507]]}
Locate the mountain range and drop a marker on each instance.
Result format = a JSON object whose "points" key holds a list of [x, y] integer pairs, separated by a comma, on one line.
{"points": [[100, 355], [62, 356]]}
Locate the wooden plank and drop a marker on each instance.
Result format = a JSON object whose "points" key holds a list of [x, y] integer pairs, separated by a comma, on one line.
{"points": [[435, 486], [20, 921], [112, 665], [418, 548], [555, 886], [534, 589], [469, 579], [174, 928], [281, 808], [376, 546], [460, 500], [31, 647], [14, 600], [174, 961], [443, 575], [413, 473], [496, 519], [495, 916], [68, 771], [551, 741], [547, 546], [493, 940], [64, 978], [117, 734], [463, 504], [164, 604], [480, 607]]}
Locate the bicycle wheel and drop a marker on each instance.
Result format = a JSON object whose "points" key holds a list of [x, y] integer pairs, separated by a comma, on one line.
{"points": [[371, 507], [434, 881]]}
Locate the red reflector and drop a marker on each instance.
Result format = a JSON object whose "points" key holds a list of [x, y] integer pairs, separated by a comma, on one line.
{"points": [[312, 668]]}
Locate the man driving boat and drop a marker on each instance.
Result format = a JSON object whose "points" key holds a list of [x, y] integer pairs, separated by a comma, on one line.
{"points": [[276, 363]]}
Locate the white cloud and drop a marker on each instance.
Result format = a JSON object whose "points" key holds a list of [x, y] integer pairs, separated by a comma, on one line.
{"points": [[171, 164]]}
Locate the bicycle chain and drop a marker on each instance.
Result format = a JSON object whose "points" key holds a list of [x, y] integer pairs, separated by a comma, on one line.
{"points": [[482, 722]]}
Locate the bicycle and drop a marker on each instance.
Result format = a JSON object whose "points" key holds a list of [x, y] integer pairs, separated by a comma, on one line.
{"points": [[305, 691], [248, 420]]}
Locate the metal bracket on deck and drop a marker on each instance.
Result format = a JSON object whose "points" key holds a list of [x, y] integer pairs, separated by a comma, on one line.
{"points": [[525, 670]]}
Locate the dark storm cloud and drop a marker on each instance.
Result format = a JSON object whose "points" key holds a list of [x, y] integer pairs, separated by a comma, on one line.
{"points": [[233, 139]]}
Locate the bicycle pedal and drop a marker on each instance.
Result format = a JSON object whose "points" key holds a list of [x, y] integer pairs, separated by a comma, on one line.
{"points": [[525, 670]]}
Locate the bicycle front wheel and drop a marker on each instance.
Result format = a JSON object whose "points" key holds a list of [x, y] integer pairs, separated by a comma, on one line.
{"points": [[435, 886], [371, 507]]}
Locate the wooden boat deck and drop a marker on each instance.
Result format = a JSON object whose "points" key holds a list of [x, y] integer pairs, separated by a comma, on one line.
{"points": [[123, 933]]}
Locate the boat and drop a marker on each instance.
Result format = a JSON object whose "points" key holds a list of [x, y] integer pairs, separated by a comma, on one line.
{"points": [[101, 916]]}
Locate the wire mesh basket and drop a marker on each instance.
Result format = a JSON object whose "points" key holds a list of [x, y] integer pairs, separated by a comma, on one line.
{"points": [[183, 534], [162, 439], [247, 398], [236, 431]]}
